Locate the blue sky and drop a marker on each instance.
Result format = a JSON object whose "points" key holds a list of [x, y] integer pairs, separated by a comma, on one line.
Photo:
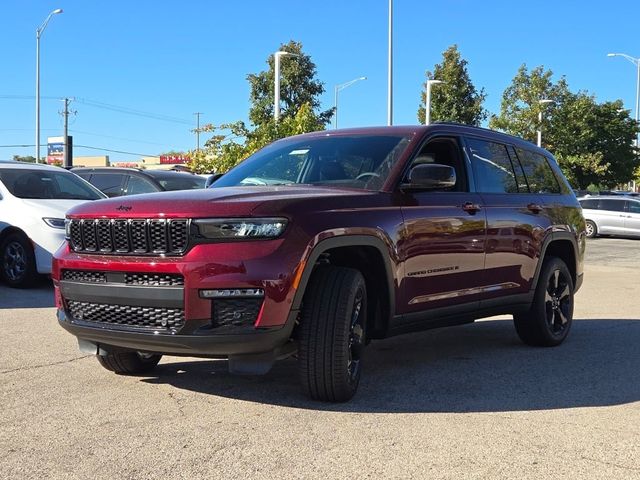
{"points": [[176, 58]]}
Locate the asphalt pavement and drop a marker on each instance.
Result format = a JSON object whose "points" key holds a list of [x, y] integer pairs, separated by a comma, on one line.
{"points": [[466, 402]]}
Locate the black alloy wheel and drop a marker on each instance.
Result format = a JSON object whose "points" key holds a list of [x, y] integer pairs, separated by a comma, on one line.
{"points": [[18, 261]]}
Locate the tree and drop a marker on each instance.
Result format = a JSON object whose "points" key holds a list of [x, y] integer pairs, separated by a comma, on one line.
{"points": [[592, 141], [298, 87], [232, 142], [28, 158], [521, 105], [457, 100]]}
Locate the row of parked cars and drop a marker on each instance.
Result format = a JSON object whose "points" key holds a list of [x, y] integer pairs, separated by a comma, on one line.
{"points": [[34, 199]]}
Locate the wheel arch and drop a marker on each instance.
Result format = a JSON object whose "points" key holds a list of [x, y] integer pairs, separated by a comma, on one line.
{"points": [[564, 246], [371, 256]]}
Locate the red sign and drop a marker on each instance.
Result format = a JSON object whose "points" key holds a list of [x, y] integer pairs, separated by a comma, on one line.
{"points": [[173, 159]]}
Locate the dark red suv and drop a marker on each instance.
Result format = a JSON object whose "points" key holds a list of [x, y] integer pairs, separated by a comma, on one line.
{"points": [[321, 242]]}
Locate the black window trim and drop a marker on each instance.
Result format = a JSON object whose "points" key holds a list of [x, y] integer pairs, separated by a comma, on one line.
{"points": [[546, 159]]}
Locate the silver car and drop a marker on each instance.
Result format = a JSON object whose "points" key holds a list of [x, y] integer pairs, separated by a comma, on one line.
{"points": [[611, 215]]}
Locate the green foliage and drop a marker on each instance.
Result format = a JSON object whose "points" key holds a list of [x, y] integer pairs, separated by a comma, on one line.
{"points": [[298, 86], [231, 143], [592, 141], [28, 158], [456, 100]]}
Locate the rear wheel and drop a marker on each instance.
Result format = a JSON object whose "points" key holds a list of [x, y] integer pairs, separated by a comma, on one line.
{"points": [[18, 261], [332, 334], [129, 363], [591, 229], [549, 320]]}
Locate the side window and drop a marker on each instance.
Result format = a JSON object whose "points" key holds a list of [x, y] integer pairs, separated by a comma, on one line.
{"points": [[138, 185], [109, 183], [540, 176], [591, 204], [494, 171], [611, 205], [517, 169], [445, 151], [633, 207]]}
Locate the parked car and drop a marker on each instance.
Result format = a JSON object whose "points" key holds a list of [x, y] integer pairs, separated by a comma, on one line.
{"points": [[319, 243], [611, 215], [34, 199], [117, 182]]}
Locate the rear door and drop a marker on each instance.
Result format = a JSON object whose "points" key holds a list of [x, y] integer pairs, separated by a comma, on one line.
{"points": [[515, 219], [632, 220]]}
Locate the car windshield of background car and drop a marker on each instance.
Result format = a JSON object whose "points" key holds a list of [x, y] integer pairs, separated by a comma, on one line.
{"points": [[362, 162], [41, 184]]}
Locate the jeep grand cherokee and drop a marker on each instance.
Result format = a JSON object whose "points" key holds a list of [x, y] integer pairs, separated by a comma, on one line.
{"points": [[321, 242]]}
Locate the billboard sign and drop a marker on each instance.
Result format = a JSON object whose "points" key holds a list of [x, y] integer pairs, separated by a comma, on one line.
{"points": [[173, 159], [55, 150]]}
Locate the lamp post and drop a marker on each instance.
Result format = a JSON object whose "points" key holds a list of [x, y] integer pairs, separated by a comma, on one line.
{"points": [[276, 82], [390, 68], [636, 62], [427, 103], [541, 102], [39, 31], [339, 87]]}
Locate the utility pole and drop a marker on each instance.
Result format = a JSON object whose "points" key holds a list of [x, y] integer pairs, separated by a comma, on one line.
{"points": [[68, 154], [197, 114]]}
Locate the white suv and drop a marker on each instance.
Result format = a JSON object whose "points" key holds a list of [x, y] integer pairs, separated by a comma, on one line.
{"points": [[33, 201]]}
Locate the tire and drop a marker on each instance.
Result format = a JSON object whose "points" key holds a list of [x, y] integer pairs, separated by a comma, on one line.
{"points": [[332, 334], [129, 363], [17, 261], [549, 320], [591, 229]]}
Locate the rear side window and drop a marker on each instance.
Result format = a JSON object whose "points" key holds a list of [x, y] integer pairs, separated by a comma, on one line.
{"points": [[540, 176], [138, 185], [611, 205], [633, 207], [493, 168], [109, 183], [592, 204]]}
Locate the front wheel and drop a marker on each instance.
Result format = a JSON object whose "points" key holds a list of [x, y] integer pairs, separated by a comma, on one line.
{"points": [[591, 229], [129, 363], [332, 334], [18, 261], [549, 320]]}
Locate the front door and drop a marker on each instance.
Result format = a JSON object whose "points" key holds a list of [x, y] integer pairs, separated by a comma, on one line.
{"points": [[442, 242]]}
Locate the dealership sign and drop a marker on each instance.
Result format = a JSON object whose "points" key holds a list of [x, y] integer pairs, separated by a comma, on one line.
{"points": [[55, 150], [173, 159]]}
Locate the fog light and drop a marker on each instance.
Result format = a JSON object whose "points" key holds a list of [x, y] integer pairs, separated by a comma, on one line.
{"points": [[233, 293]]}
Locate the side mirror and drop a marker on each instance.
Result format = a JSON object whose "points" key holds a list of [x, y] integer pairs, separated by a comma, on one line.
{"points": [[212, 179], [430, 176]]}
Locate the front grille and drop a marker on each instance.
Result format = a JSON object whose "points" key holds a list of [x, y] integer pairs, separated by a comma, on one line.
{"points": [[127, 316], [128, 278], [85, 276], [235, 311], [137, 236]]}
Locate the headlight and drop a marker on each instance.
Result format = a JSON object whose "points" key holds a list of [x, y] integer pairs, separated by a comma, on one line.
{"points": [[54, 222], [67, 228], [240, 228]]}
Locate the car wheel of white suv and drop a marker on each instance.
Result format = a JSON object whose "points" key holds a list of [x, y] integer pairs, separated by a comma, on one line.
{"points": [[18, 262]]}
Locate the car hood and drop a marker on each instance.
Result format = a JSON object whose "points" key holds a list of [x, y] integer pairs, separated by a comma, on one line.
{"points": [[51, 208], [216, 202]]}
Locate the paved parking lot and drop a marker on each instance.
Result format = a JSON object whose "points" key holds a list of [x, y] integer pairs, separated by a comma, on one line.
{"points": [[465, 402]]}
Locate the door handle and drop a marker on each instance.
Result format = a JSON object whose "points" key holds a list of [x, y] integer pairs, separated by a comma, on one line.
{"points": [[534, 207], [471, 208]]}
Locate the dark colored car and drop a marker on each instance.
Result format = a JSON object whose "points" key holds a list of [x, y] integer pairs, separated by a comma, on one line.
{"points": [[117, 182], [321, 242]]}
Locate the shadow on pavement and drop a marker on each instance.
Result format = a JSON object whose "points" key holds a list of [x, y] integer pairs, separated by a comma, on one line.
{"points": [[473, 368], [39, 296]]}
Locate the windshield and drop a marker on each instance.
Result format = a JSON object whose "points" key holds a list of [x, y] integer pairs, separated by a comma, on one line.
{"points": [[362, 161], [181, 181], [46, 184]]}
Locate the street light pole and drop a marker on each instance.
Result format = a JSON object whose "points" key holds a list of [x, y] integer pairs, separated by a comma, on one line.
{"points": [[276, 82], [427, 103], [541, 102], [390, 68], [636, 62], [39, 31], [339, 87]]}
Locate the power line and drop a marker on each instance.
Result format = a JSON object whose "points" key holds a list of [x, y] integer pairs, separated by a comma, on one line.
{"points": [[90, 148]]}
